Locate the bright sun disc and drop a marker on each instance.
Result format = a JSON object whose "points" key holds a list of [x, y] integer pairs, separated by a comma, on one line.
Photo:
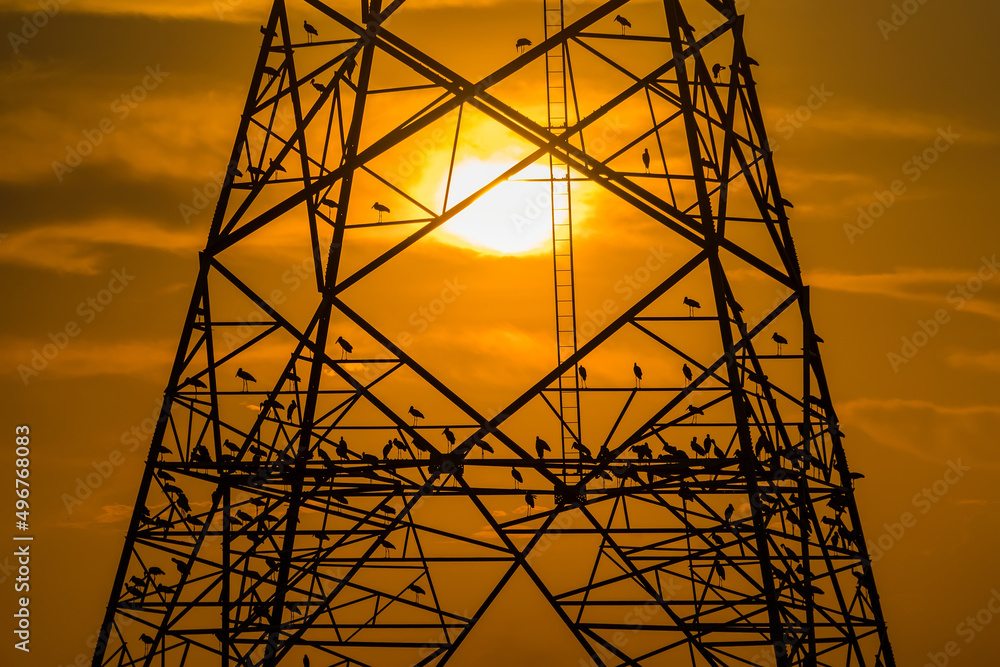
{"points": [[513, 218]]}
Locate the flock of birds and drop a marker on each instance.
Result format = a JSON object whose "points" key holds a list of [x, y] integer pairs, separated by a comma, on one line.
{"points": [[139, 586]]}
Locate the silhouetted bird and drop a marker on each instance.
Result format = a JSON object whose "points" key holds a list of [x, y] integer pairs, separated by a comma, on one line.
{"points": [[688, 375], [146, 639], [645, 159], [698, 449], [416, 589], [710, 442], [155, 571], [450, 437], [529, 498], [517, 476], [399, 445], [585, 454], [691, 304], [416, 414], [386, 449], [541, 447], [729, 513], [638, 374], [319, 88], [342, 448], [305, 661], [291, 410], [181, 565], [329, 203], [483, 445], [277, 167], [267, 33], [522, 44], [246, 377], [779, 339], [751, 61], [583, 375], [381, 208], [623, 22], [310, 31], [196, 383], [345, 347], [348, 67], [643, 451], [716, 68], [786, 203]]}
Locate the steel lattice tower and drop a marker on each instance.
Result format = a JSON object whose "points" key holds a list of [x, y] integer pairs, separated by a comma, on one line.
{"points": [[330, 523]]}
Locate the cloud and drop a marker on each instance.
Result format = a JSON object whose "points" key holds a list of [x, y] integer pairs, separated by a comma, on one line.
{"points": [[114, 513], [931, 286], [863, 122], [926, 430], [82, 358], [983, 361], [80, 248]]}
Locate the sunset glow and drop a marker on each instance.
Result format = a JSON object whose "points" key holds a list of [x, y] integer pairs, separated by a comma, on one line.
{"points": [[513, 218]]}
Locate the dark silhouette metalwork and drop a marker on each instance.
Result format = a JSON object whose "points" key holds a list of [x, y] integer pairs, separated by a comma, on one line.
{"points": [[353, 530]]}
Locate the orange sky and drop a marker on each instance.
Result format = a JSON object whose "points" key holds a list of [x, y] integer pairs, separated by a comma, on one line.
{"points": [[856, 111]]}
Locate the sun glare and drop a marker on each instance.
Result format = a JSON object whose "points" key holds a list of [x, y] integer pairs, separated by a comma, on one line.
{"points": [[513, 218]]}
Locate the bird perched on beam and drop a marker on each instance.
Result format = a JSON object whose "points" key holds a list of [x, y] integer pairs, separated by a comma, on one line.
{"points": [[645, 159], [623, 22], [541, 447], [688, 375], [345, 347], [583, 375], [638, 375], [691, 304], [517, 477], [381, 208], [310, 31], [522, 44], [246, 377], [780, 340], [416, 414], [716, 69]]}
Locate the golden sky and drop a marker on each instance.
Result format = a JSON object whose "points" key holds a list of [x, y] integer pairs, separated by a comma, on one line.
{"points": [[884, 142]]}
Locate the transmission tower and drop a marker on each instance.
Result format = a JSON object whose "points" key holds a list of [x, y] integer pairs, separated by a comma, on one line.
{"points": [[319, 492]]}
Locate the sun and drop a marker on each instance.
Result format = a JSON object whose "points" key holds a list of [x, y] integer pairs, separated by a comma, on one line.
{"points": [[514, 218]]}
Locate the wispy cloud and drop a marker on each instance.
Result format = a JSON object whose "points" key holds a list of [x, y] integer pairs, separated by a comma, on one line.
{"points": [[83, 358], [984, 361], [81, 248], [931, 286], [927, 430]]}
